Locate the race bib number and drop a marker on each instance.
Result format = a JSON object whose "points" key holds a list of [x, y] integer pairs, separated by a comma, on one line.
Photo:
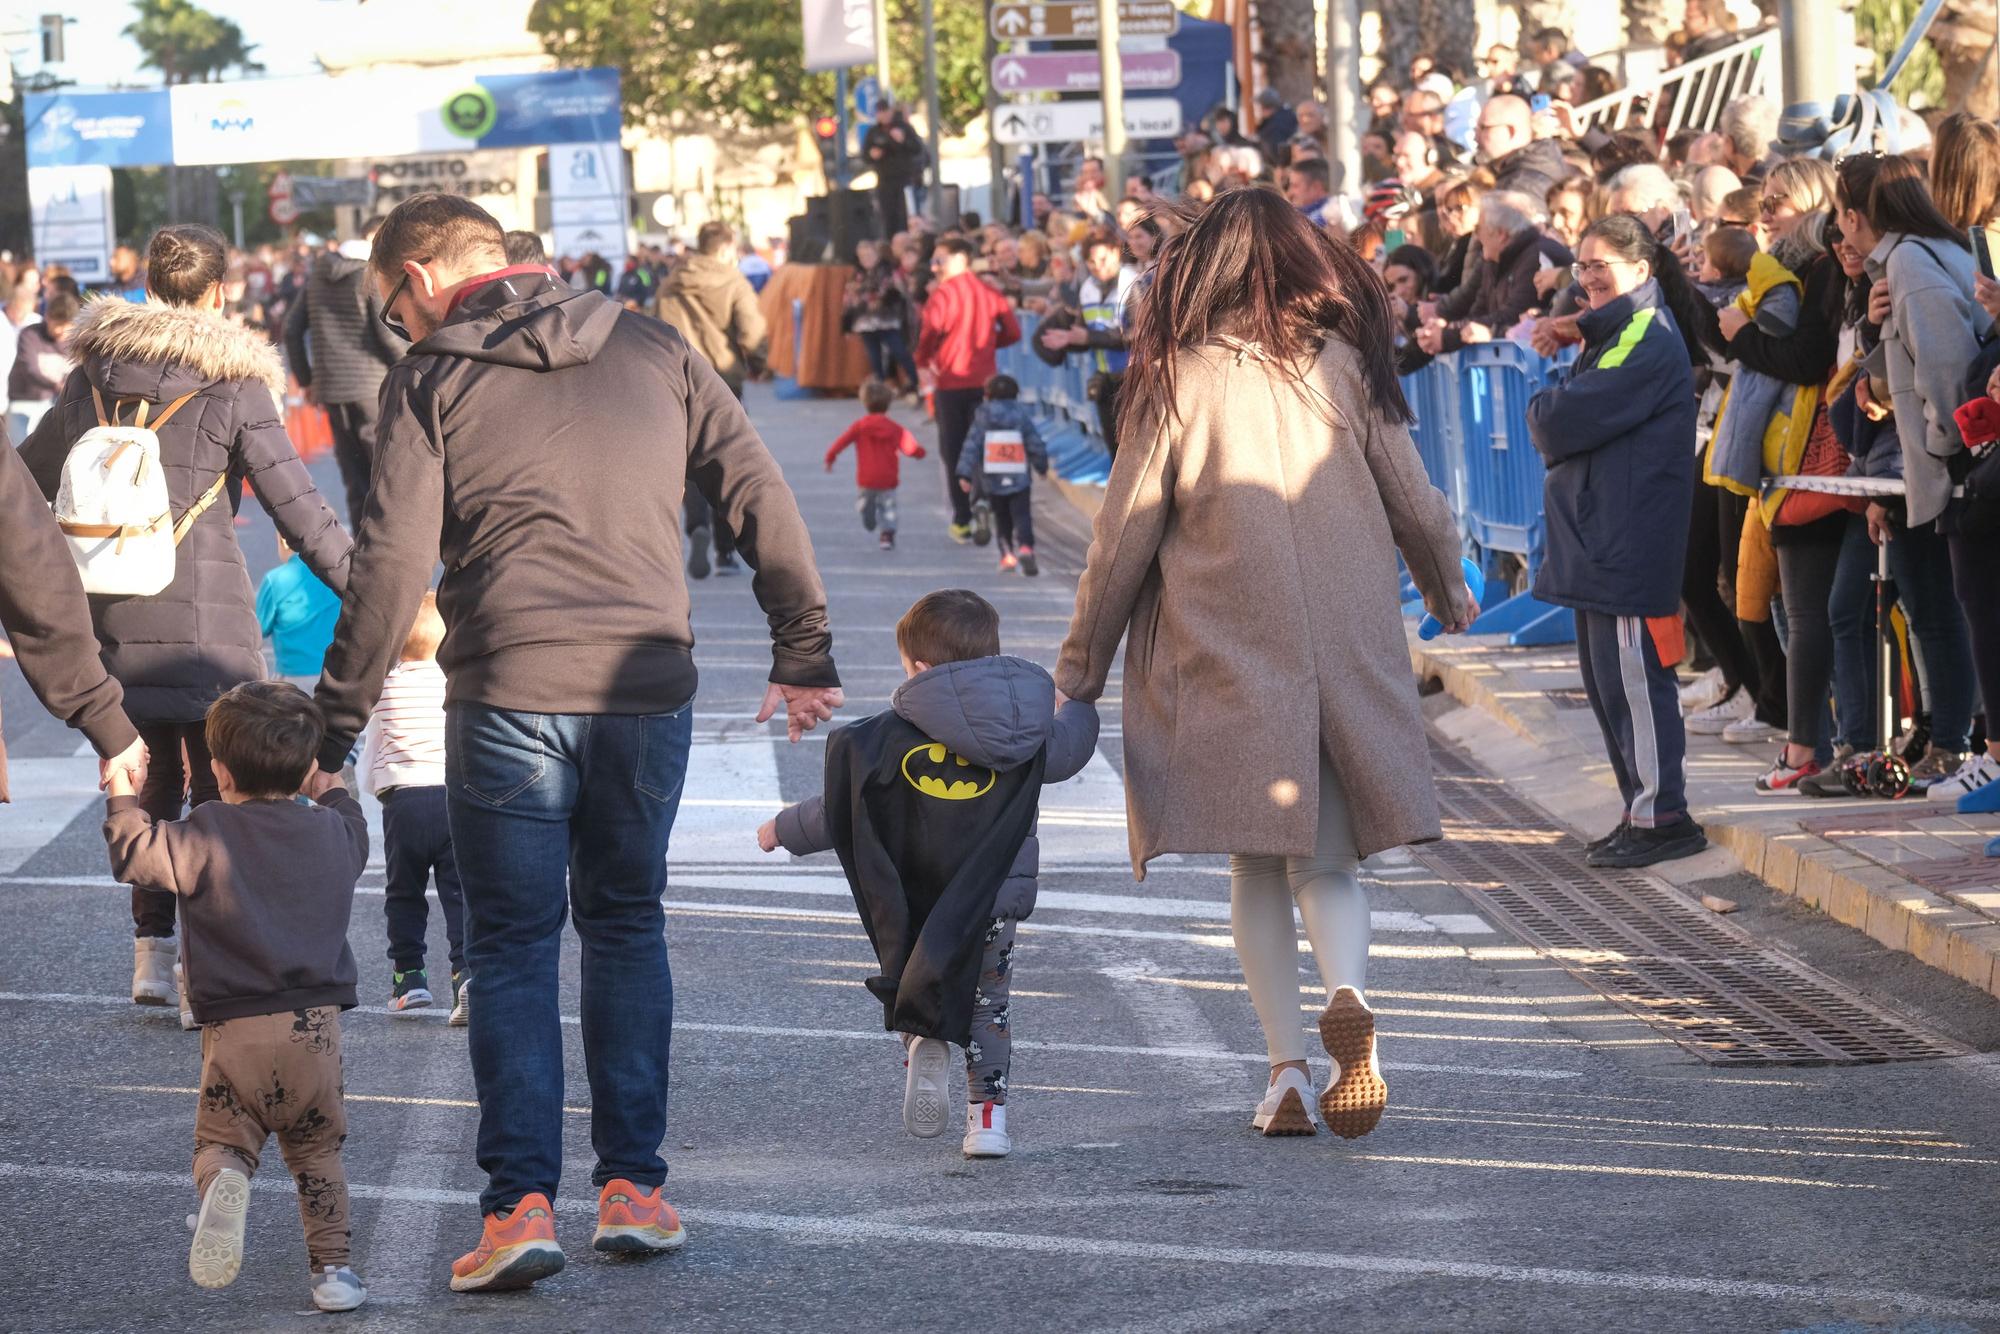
{"points": [[1006, 454]]}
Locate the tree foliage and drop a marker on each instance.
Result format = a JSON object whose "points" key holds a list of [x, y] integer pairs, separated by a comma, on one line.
{"points": [[186, 43], [741, 63]]}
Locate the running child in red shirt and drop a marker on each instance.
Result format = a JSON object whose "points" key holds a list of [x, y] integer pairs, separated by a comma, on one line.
{"points": [[879, 445]]}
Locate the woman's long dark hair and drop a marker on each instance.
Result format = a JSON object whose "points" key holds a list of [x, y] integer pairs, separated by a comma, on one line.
{"points": [[1250, 265], [1900, 201]]}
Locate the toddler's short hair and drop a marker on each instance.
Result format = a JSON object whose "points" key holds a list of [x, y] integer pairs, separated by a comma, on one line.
{"points": [[1002, 387], [266, 734], [950, 625], [876, 396], [426, 632], [1731, 249]]}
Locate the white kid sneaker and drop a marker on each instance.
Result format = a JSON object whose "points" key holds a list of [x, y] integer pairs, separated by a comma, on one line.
{"points": [[926, 1086], [986, 1130], [153, 970], [338, 1288], [188, 1024], [1749, 731], [216, 1254], [1704, 690], [1287, 1108], [1976, 773], [1715, 719]]}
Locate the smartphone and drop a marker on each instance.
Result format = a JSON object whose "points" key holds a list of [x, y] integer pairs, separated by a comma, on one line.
{"points": [[1539, 103], [1982, 252], [1683, 223]]}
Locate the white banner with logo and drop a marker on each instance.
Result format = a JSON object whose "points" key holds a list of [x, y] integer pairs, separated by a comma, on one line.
{"points": [[588, 205], [71, 209], [839, 33], [355, 115]]}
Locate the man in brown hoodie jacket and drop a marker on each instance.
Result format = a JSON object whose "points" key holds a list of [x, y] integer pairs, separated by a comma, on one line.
{"points": [[539, 440], [47, 620]]}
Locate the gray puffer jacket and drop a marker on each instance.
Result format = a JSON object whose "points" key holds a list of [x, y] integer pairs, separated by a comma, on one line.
{"points": [[995, 712], [176, 651], [334, 336]]}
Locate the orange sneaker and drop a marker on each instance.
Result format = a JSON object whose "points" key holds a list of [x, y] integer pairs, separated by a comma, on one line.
{"points": [[513, 1252], [632, 1220]]}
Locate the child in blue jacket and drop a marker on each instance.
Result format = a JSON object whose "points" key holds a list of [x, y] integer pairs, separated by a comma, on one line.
{"points": [[1001, 447]]}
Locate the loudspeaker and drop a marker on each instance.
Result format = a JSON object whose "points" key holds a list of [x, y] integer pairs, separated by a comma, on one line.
{"points": [[806, 238], [851, 219]]}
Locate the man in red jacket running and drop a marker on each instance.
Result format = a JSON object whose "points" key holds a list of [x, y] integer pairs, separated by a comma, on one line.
{"points": [[965, 323]]}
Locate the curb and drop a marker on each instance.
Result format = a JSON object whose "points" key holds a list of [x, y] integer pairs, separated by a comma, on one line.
{"points": [[1844, 885]]}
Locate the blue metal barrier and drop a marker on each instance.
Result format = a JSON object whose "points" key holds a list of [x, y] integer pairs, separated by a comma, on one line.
{"points": [[1066, 415]]}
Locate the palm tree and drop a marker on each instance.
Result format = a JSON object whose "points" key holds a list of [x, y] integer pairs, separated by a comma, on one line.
{"points": [[186, 43], [1443, 29], [1289, 37]]}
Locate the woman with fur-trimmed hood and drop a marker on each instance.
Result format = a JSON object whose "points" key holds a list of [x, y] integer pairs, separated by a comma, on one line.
{"points": [[176, 651]]}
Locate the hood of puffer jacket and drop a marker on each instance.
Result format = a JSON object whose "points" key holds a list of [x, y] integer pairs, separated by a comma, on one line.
{"points": [[991, 711], [344, 269], [159, 352]]}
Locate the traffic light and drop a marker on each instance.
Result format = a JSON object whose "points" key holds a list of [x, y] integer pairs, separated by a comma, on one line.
{"points": [[825, 129]]}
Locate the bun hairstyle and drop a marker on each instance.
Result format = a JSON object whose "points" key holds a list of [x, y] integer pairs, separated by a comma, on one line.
{"points": [[183, 261]]}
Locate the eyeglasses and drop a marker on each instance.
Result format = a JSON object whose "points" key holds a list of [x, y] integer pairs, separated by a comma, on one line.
{"points": [[387, 316], [1770, 204], [1594, 268]]}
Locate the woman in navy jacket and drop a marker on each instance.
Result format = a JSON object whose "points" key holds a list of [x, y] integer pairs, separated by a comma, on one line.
{"points": [[1618, 436]]}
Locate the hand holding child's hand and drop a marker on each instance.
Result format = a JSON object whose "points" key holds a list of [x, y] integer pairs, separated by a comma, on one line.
{"points": [[318, 783], [1731, 321], [767, 836], [124, 773]]}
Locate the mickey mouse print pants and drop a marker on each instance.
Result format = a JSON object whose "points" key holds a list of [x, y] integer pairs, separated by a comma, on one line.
{"points": [[279, 1074], [992, 1047]]}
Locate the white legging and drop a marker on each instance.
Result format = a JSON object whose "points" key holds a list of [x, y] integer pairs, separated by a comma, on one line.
{"points": [[1335, 908]]}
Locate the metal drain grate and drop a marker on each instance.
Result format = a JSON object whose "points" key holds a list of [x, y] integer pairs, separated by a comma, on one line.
{"points": [[1708, 984]]}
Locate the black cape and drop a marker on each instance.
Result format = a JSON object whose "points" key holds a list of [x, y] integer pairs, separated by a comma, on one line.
{"points": [[926, 839]]}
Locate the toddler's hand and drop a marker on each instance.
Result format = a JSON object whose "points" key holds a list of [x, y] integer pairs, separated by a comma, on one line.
{"points": [[318, 782], [1993, 381], [965, 485], [767, 836]]}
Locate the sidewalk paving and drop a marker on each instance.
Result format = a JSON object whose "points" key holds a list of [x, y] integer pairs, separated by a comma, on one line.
{"points": [[1912, 874]]}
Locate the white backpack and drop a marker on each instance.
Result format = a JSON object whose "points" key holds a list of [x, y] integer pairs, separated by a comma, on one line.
{"points": [[113, 504]]}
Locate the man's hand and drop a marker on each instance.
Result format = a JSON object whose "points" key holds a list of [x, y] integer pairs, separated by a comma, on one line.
{"points": [[1430, 337], [1464, 623], [318, 783], [1731, 321], [1548, 280], [1473, 332], [1878, 522], [1552, 335], [806, 707], [767, 836], [1880, 301], [124, 773]]}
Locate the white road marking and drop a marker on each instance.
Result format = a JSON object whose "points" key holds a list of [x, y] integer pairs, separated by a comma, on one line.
{"points": [[875, 1036], [913, 1238], [47, 795]]}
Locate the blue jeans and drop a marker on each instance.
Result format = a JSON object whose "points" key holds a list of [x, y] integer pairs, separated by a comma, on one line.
{"points": [[1920, 564], [1850, 614], [556, 812]]}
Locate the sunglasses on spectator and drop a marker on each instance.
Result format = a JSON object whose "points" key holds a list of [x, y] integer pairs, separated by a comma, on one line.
{"points": [[1770, 204], [388, 318]]}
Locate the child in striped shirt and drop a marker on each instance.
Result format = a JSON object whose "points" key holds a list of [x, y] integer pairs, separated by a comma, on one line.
{"points": [[404, 760]]}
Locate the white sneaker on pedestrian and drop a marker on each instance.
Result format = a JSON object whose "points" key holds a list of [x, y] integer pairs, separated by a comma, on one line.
{"points": [[188, 1024], [1976, 773], [153, 970], [986, 1130], [1712, 720], [1287, 1108], [1705, 690], [216, 1254], [338, 1288], [926, 1086], [1356, 1095], [1749, 731]]}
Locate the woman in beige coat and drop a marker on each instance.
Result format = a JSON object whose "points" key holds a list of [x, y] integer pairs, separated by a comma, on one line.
{"points": [[1248, 542]]}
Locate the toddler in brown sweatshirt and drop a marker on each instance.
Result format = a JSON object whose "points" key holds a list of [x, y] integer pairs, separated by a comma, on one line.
{"points": [[266, 885]]}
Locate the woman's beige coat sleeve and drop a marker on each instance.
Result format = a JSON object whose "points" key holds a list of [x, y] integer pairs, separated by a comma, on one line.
{"points": [[1420, 518], [1124, 542]]}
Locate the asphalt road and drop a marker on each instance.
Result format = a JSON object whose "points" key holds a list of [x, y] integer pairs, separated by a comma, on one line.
{"points": [[1548, 1162]]}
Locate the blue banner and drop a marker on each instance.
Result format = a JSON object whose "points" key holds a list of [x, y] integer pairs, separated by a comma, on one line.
{"points": [[554, 107], [127, 129]]}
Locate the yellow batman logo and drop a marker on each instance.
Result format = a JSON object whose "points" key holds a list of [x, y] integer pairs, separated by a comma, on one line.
{"points": [[946, 782]]}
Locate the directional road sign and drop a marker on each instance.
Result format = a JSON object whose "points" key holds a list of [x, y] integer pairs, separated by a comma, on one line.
{"points": [[867, 95], [1078, 71], [1075, 122], [1025, 20]]}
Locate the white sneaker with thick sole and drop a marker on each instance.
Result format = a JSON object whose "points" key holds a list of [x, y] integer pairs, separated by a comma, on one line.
{"points": [[986, 1131], [1749, 731], [1287, 1108], [216, 1253], [188, 1024], [153, 970], [1715, 719], [338, 1288], [1355, 1097], [926, 1087], [1703, 691], [1979, 771]]}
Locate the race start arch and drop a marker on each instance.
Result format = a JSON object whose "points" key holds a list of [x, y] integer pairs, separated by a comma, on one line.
{"points": [[75, 138]]}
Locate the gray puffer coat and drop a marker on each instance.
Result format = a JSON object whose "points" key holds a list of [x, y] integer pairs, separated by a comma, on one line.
{"points": [[995, 712], [176, 651]]}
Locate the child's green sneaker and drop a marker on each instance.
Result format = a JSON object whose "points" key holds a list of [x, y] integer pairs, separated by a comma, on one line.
{"points": [[411, 991]]}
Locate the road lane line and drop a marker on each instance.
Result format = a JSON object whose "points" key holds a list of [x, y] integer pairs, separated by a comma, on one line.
{"points": [[876, 1036], [912, 1238]]}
